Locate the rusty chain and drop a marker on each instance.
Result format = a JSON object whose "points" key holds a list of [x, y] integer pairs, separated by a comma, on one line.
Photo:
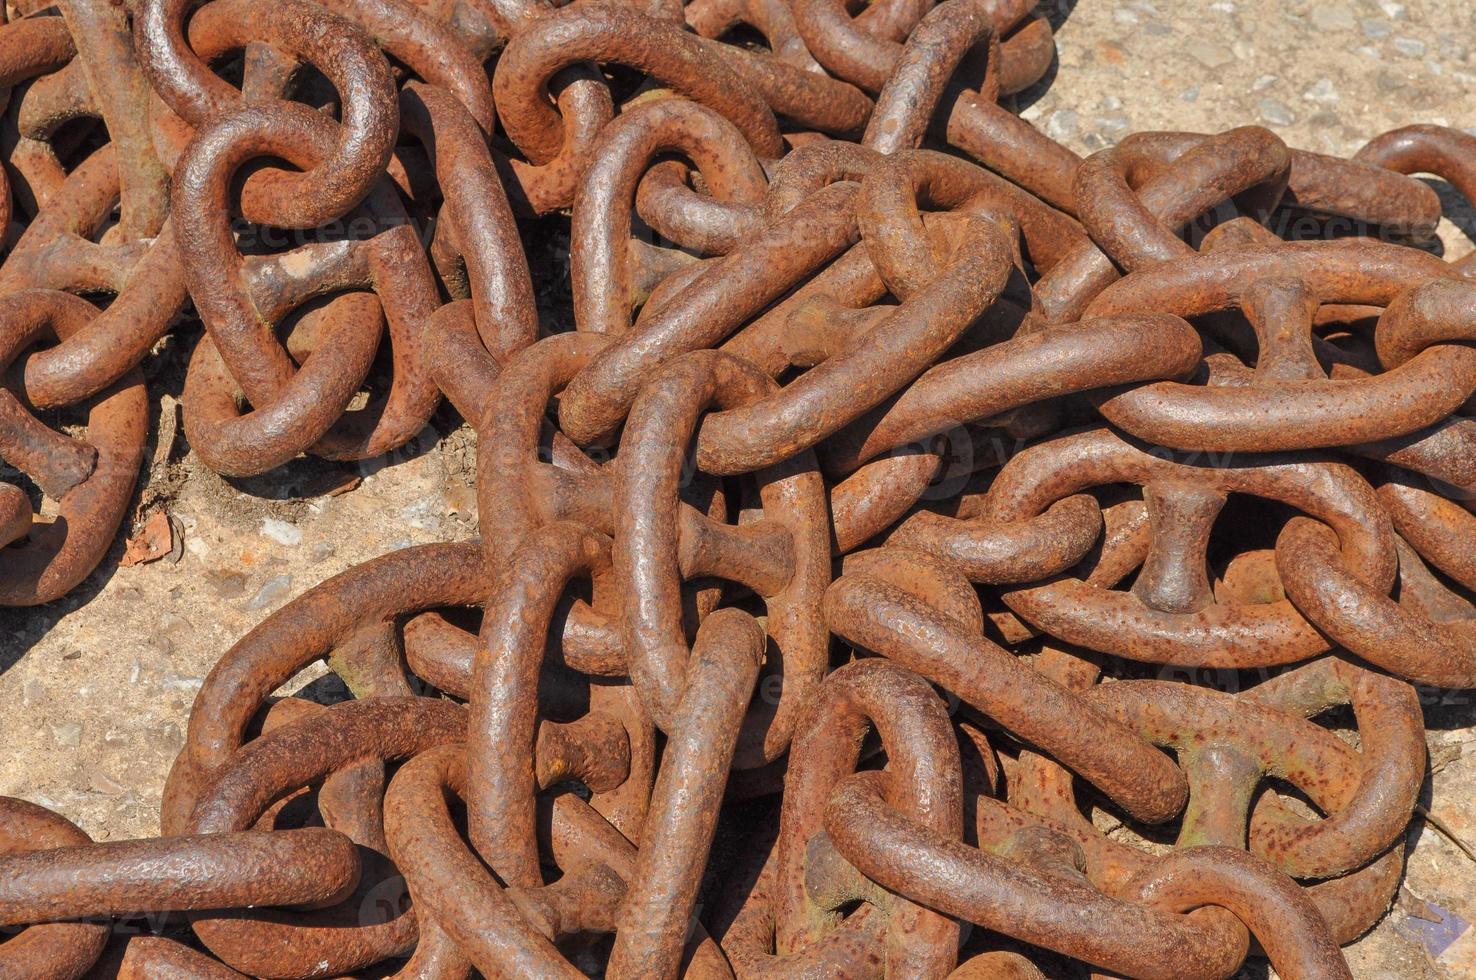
{"points": [[900, 496]]}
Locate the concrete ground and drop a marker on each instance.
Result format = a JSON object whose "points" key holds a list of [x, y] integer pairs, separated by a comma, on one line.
{"points": [[96, 689]]}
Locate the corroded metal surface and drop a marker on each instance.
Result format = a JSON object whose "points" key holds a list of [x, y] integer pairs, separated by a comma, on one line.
{"points": [[900, 488]]}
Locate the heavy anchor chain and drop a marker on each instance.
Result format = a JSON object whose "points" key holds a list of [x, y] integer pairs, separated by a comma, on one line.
{"points": [[895, 492]]}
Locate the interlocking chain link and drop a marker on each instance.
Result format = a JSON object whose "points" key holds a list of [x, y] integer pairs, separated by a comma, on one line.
{"points": [[898, 490]]}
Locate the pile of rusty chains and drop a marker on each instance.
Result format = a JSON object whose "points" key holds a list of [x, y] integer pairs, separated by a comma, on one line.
{"points": [[736, 704]]}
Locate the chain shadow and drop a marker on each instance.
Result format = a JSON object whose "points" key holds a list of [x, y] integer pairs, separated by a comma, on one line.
{"points": [[1454, 207]]}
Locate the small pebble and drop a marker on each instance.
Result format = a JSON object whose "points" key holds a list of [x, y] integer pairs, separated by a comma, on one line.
{"points": [[1061, 124], [68, 735], [281, 532], [1323, 92], [1375, 29], [1209, 54], [1409, 47], [273, 591], [1275, 113], [421, 514]]}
